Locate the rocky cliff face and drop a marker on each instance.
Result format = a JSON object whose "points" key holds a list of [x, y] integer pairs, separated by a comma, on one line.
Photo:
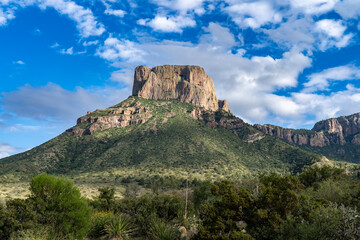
{"points": [[114, 117], [332, 131], [189, 84]]}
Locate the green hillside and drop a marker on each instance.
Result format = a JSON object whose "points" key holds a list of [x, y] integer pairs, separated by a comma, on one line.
{"points": [[170, 142]]}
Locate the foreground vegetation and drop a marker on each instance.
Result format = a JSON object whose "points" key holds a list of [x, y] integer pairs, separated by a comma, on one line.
{"points": [[320, 203]]}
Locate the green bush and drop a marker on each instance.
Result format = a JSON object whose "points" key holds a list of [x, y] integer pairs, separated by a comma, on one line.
{"points": [[119, 228], [159, 230], [318, 174], [61, 206], [99, 221], [7, 224]]}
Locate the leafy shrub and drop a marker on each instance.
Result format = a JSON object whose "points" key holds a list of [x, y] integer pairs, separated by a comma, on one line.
{"points": [[318, 174], [60, 205]]}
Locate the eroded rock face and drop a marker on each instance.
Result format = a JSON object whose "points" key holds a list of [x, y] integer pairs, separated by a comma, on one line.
{"points": [[324, 133], [117, 118], [189, 84], [292, 136]]}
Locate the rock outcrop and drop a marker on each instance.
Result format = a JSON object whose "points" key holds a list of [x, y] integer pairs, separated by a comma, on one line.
{"points": [[339, 131], [189, 84], [116, 117]]}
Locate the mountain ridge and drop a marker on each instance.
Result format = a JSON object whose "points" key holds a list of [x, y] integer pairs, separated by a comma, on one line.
{"points": [[190, 134], [335, 137]]}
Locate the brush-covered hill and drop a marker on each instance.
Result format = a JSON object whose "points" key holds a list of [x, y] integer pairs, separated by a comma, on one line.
{"points": [[173, 125]]}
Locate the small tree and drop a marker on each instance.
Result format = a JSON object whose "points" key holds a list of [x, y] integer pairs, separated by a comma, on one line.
{"points": [[60, 205]]}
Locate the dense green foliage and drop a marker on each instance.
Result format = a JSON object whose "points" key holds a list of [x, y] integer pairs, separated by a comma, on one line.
{"points": [[320, 203], [55, 206]]}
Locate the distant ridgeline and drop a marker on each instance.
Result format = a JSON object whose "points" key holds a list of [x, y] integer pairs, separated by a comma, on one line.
{"points": [[173, 124], [337, 138]]}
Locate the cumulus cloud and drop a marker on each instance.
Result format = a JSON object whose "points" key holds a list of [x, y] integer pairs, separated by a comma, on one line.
{"points": [[168, 23], [304, 33], [6, 14], [114, 49], [322, 80], [321, 106], [217, 37], [348, 8], [52, 103], [253, 14], [313, 6], [332, 34]]}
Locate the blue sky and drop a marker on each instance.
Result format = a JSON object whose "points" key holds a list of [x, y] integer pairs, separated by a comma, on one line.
{"points": [[284, 62]]}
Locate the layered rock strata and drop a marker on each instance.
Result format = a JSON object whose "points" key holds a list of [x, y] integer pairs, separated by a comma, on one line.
{"points": [[115, 118], [189, 84], [339, 131]]}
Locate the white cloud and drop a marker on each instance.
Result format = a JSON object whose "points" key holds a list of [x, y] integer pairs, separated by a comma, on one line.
{"points": [[86, 22], [6, 150], [68, 51], [118, 13], [321, 80], [124, 76], [6, 15], [19, 62], [331, 27], [348, 8], [84, 18], [114, 49], [327, 106], [90, 43], [217, 37], [55, 45], [253, 14], [181, 5], [306, 34], [168, 23], [4, 154], [314, 6], [332, 34]]}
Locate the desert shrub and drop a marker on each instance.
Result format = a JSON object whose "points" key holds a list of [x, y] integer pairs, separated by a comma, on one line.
{"points": [[60, 205], [99, 221], [40, 233], [160, 230], [224, 219], [23, 211], [7, 224], [119, 228], [106, 199], [318, 174]]}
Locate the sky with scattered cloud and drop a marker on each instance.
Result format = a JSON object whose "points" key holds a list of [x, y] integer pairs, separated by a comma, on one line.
{"points": [[284, 62]]}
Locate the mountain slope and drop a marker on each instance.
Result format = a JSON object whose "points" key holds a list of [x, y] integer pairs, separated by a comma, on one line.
{"points": [[170, 136]]}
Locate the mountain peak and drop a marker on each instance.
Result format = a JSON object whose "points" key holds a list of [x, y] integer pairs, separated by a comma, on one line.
{"points": [[189, 84]]}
